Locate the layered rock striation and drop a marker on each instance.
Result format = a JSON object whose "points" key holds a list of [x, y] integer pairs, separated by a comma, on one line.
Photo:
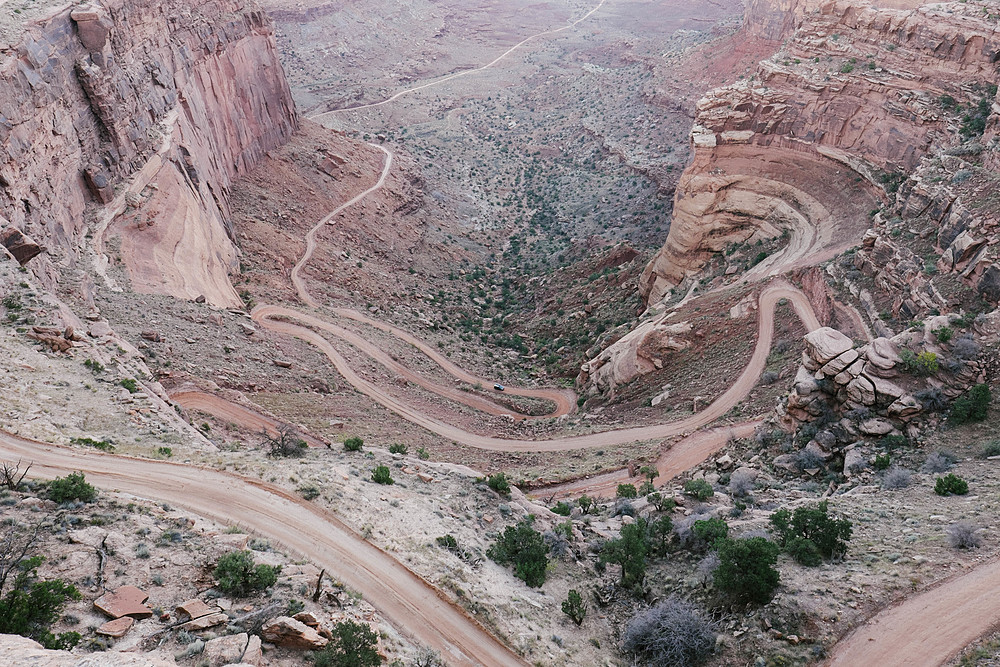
{"points": [[851, 99], [145, 109]]}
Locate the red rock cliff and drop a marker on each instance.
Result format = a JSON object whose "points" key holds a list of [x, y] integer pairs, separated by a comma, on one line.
{"points": [[144, 112], [852, 93]]}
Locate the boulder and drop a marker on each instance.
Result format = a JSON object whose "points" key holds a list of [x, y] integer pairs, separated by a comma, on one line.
{"points": [[854, 462], [19, 245], [885, 389], [839, 363], [289, 633], [805, 383], [205, 622], [904, 406], [826, 343], [228, 650], [876, 427], [861, 391]]}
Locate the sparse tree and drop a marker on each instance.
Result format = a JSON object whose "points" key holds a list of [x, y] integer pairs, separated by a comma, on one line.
{"points": [[285, 443], [574, 606], [746, 570], [239, 576], [629, 551], [353, 645], [523, 547], [11, 475]]}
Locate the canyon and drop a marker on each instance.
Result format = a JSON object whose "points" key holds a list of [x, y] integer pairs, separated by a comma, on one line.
{"points": [[579, 246]]}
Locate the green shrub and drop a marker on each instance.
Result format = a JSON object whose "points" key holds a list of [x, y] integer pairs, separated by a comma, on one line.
{"points": [[423, 454], [659, 533], [971, 406], [353, 444], [746, 572], [661, 503], [165, 452], [103, 445], [398, 448], [574, 606], [499, 483], [710, 531], [815, 525], [31, 606], [803, 551], [943, 334], [309, 492], [353, 645], [586, 503], [71, 487], [130, 384], [239, 576], [882, 461], [923, 364], [951, 484], [627, 491], [991, 448], [447, 542], [562, 508], [382, 475], [699, 488], [523, 547]]}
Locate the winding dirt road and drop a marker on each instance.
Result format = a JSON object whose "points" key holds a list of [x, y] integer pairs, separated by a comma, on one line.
{"points": [[237, 414], [929, 628], [275, 318], [406, 600], [465, 72]]}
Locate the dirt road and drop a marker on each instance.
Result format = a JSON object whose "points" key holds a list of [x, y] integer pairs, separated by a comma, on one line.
{"points": [[466, 72], [268, 316], [406, 601], [929, 628], [234, 412]]}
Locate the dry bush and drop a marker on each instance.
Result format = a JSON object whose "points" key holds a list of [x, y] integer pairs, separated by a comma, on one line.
{"points": [[963, 535], [671, 634], [896, 478]]}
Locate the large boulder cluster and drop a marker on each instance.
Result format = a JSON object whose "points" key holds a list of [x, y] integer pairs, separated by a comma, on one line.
{"points": [[846, 394]]}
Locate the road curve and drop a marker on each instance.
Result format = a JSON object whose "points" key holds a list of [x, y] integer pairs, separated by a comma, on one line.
{"points": [[234, 412], [403, 598], [267, 317], [465, 72], [929, 628]]}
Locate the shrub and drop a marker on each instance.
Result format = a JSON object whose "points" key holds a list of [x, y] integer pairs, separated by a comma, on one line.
{"points": [[382, 475], [937, 462], [586, 503], [31, 606], [768, 377], [165, 452], [523, 547], [882, 461], [309, 491], [943, 334], [951, 484], [671, 634], [626, 491], [574, 606], [239, 576], [963, 536], [659, 531], [971, 406], [398, 448], [896, 478], [130, 385], [892, 442], [698, 488], [448, 542], [710, 531], [706, 568], [562, 508], [353, 444], [353, 645], [661, 503], [813, 524], [71, 487], [932, 399], [423, 454], [499, 483], [923, 364], [965, 347], [286, 443], [746, 570], [803, 551], [741, 483], [629, 551]]}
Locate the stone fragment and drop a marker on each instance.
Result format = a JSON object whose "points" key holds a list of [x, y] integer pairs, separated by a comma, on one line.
{"points": [[839, 363], [116, 628], [153, 336], [282, 363], [289, 633], [825, 343], [861, 390], [205, 622], [194, 608], [904, 406], [308, 618], [124, 601], [19, 245], [876, 427]]}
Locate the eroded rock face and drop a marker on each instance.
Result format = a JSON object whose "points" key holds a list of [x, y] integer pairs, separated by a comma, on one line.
{"points": [[810, 110], [103, 93], [642, 350], [290, 633]]}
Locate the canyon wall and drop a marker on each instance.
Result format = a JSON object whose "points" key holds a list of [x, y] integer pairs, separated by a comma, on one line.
{"points": [[133, 118], [851, 97]]}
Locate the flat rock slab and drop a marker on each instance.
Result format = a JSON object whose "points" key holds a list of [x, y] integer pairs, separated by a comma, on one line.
{"points": [[116, 628], [205, 622], [289, 633], [195, 608], [825, 343], [125, 601]]}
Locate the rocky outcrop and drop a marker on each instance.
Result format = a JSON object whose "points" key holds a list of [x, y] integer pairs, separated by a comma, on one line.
{"points": [[851, 97], [19, 245], [643, 350], [178, 98], [290, 633], [22, 651]]}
